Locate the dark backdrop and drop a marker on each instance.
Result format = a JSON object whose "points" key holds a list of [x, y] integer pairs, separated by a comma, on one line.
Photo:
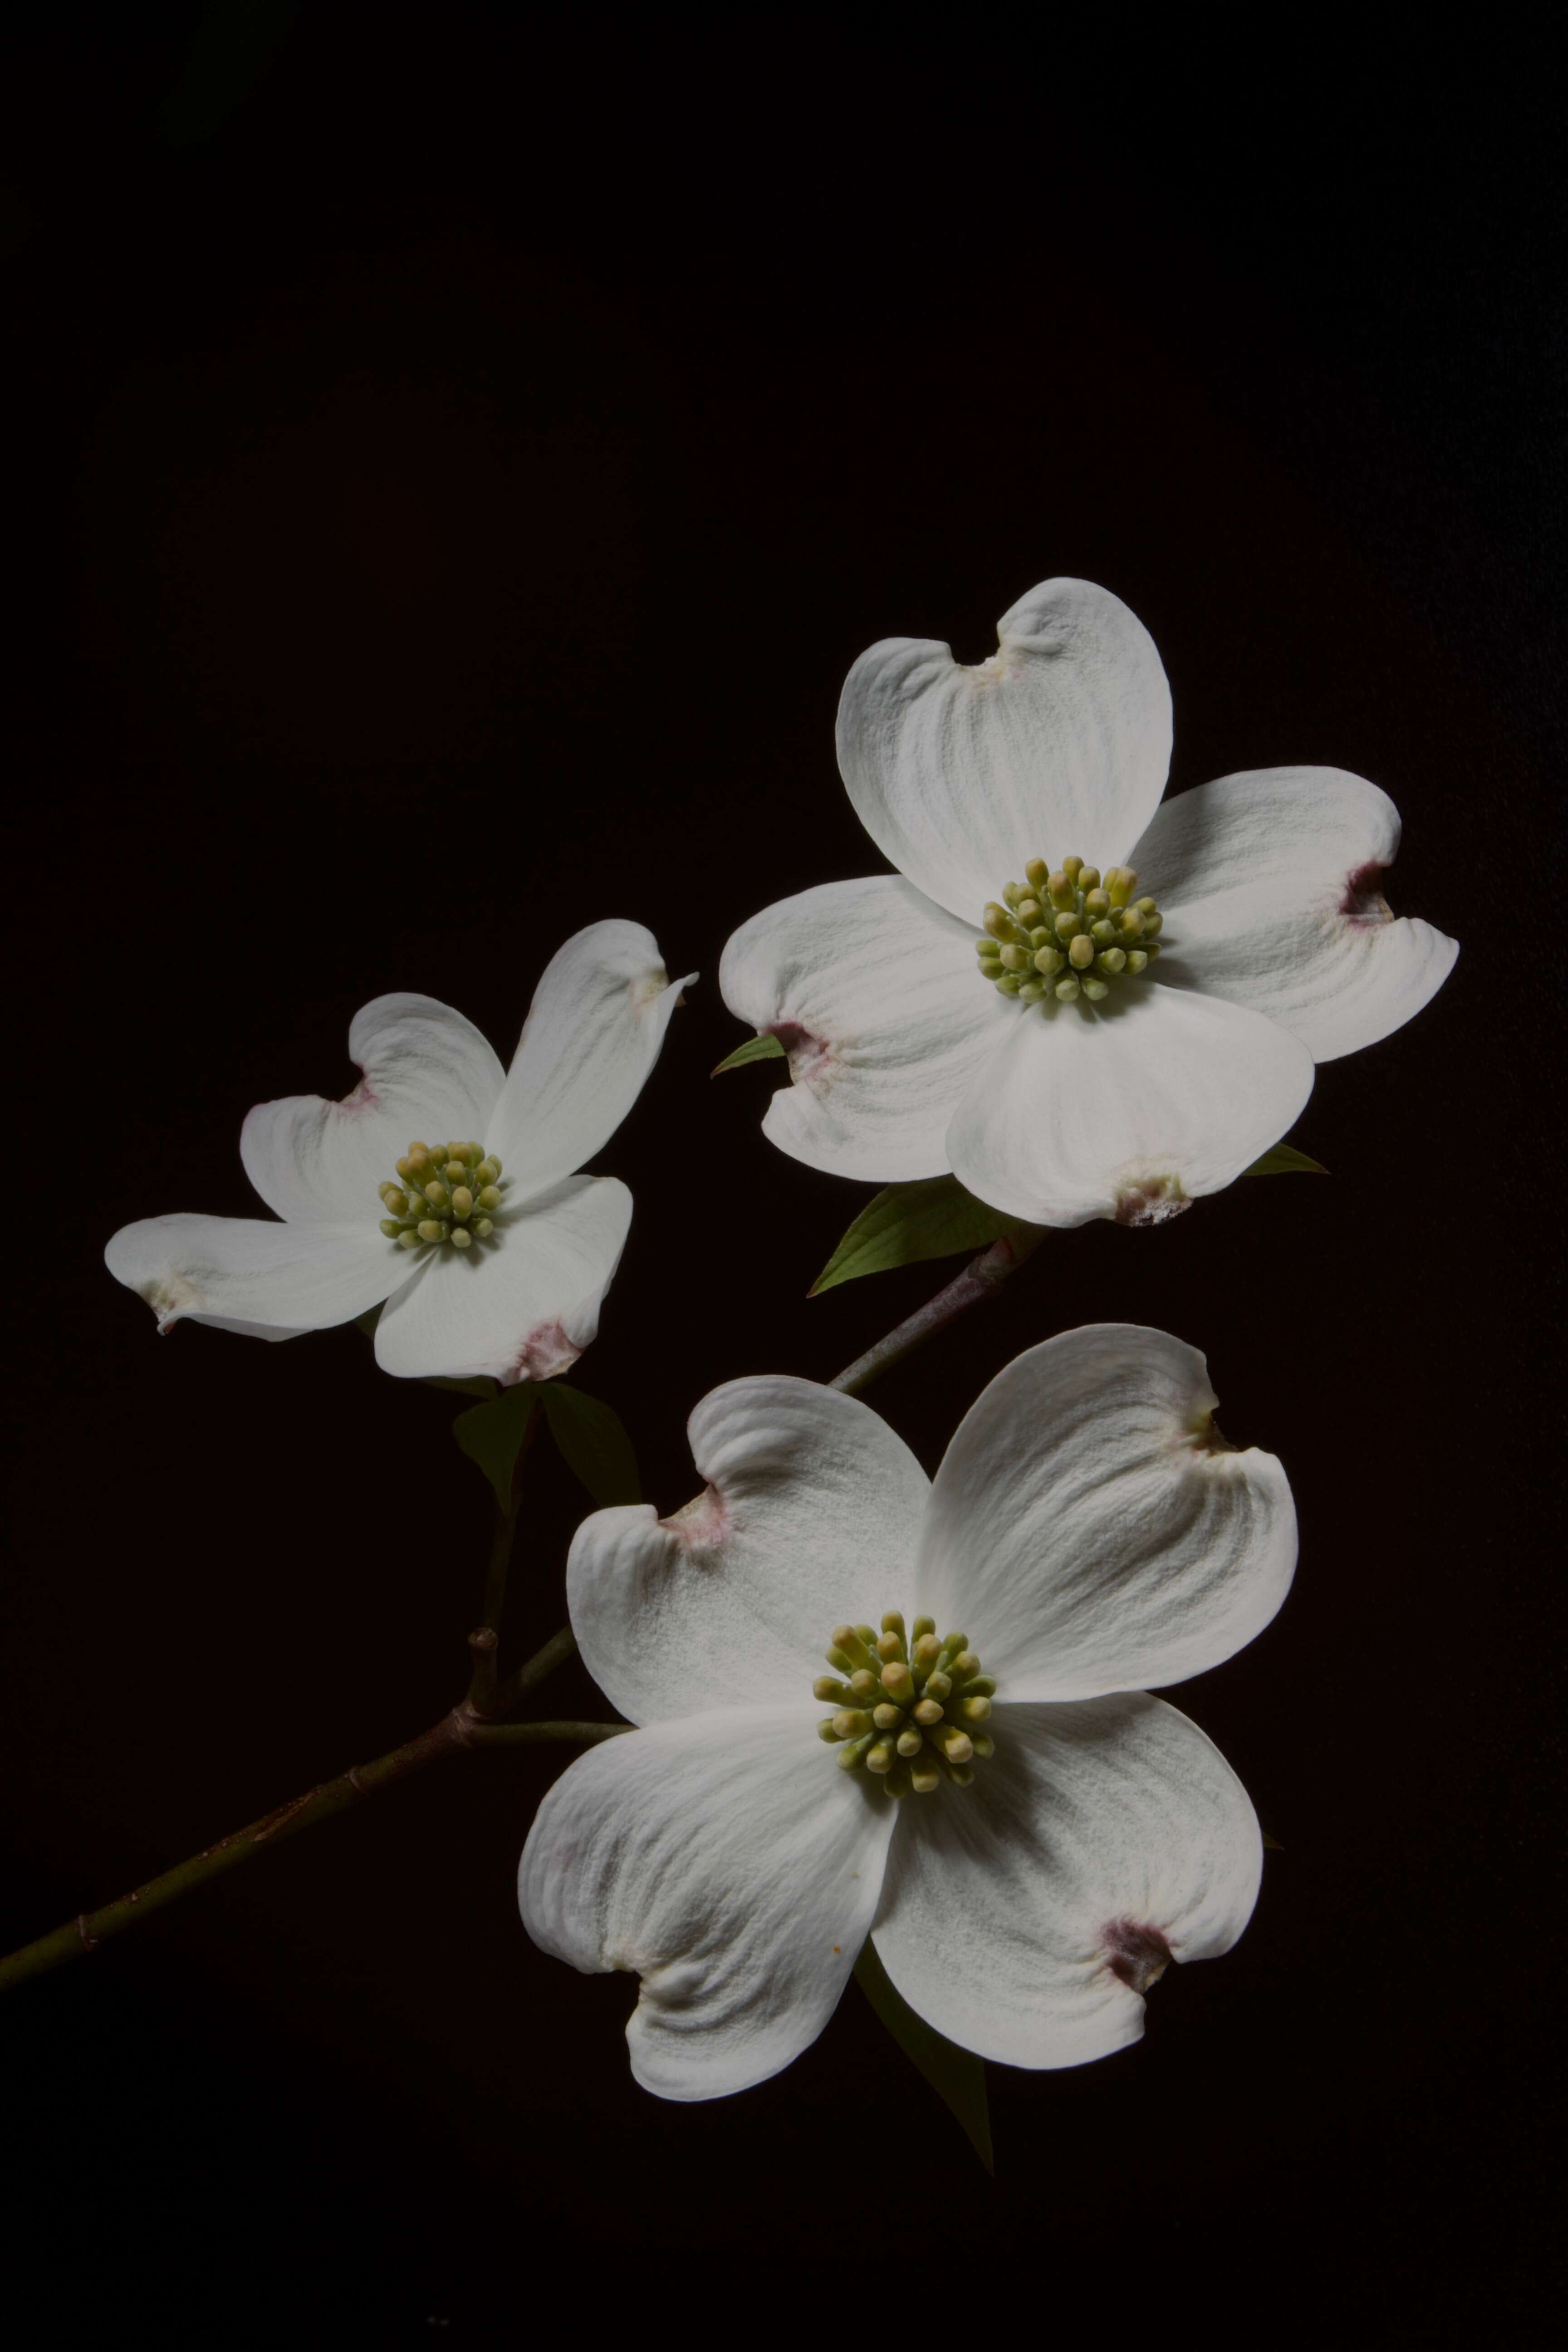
{"points": [[455, 462]]}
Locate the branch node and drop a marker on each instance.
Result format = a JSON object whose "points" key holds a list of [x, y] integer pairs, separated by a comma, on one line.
{"points": [[88, 1943]]}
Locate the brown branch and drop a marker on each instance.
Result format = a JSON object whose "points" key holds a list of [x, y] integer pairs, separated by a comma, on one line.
{"points": [[982, 1280], [456, 1732], [472, 1722]]}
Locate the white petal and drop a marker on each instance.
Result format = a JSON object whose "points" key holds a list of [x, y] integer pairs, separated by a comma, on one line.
{"points": [[1127, 1109], [244, 1274], [1023, 1916], [726, 1860], [809, 1520], [591, 1037], [429, 1078], [1088, 1529], [1058, 745], [523, 1305], [873, 991], [1270, 884]]}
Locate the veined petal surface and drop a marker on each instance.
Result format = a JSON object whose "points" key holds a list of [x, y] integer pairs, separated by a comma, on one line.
{"points": [[1090, 1532], [429, 1078], [246, 1274], [591, 1037], [809, 1520], [523, 1305], [873, 991], [1023, 1916], [1059, 744], [727, 1861], [1099, 1111], [1271, 887]]}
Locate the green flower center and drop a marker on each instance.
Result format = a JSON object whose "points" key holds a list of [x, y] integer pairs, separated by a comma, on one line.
{"points": [[912, 1710], [445, 1192], [1067, 934]]}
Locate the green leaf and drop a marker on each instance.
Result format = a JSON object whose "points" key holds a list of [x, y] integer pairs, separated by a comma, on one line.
{"points": [[1272, 1844], [957, 2076], [934, 1218], [492, 1434], [592, 1443], [1284, 1159], [755, 1049], [368, 1320]]}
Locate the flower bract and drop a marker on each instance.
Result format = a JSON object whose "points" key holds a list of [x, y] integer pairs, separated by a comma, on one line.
{"points": [[443, 1185], [1081, 1003], [1028, 1835]]}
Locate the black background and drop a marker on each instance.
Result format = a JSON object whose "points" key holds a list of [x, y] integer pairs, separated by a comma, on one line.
{"points": [[457, 459]]}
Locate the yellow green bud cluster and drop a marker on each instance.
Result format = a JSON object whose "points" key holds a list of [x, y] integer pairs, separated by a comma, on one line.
{"points": [[911, 1708], [444, 1192], [1070, 932]]}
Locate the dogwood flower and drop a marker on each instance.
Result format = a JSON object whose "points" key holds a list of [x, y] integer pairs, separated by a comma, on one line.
{"points": [[1155, 984], [1028, 1841], [491, 1254]]}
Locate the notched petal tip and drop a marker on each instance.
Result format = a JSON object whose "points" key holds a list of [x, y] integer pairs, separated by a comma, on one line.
{"points": [[1151, 1200], [704, 1521], [812, 1060], [1362, 901], [544, 1355], [1206, 1437], [1136, 1952], [171, 1299]]}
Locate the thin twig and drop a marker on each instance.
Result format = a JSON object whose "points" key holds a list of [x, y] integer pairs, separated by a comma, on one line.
{"points": [[982, 1278], [472, 1722], [450, 1736]]}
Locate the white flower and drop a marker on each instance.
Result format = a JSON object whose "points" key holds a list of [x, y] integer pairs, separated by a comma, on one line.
{"points": [[443, 1184], [1065, 1081], [1063, 1834]]}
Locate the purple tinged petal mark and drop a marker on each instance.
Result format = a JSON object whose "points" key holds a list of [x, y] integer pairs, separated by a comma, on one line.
{"points": [[544, 1355], [1135, 1952], [1363, 901], [810, 1057]]}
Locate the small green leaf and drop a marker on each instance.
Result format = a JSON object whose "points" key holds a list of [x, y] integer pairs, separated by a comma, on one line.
{"points": [[957, 2076], [1284, 1159], [368, 1320], [765, 1048], [934, 1218], [594, 1445], [492, 1434], [1272, 1844]]}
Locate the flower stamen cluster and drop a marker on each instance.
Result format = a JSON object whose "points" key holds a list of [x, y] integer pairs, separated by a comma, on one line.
{"points": [[913, 1710], [1069, 932], [445, 1193]]}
